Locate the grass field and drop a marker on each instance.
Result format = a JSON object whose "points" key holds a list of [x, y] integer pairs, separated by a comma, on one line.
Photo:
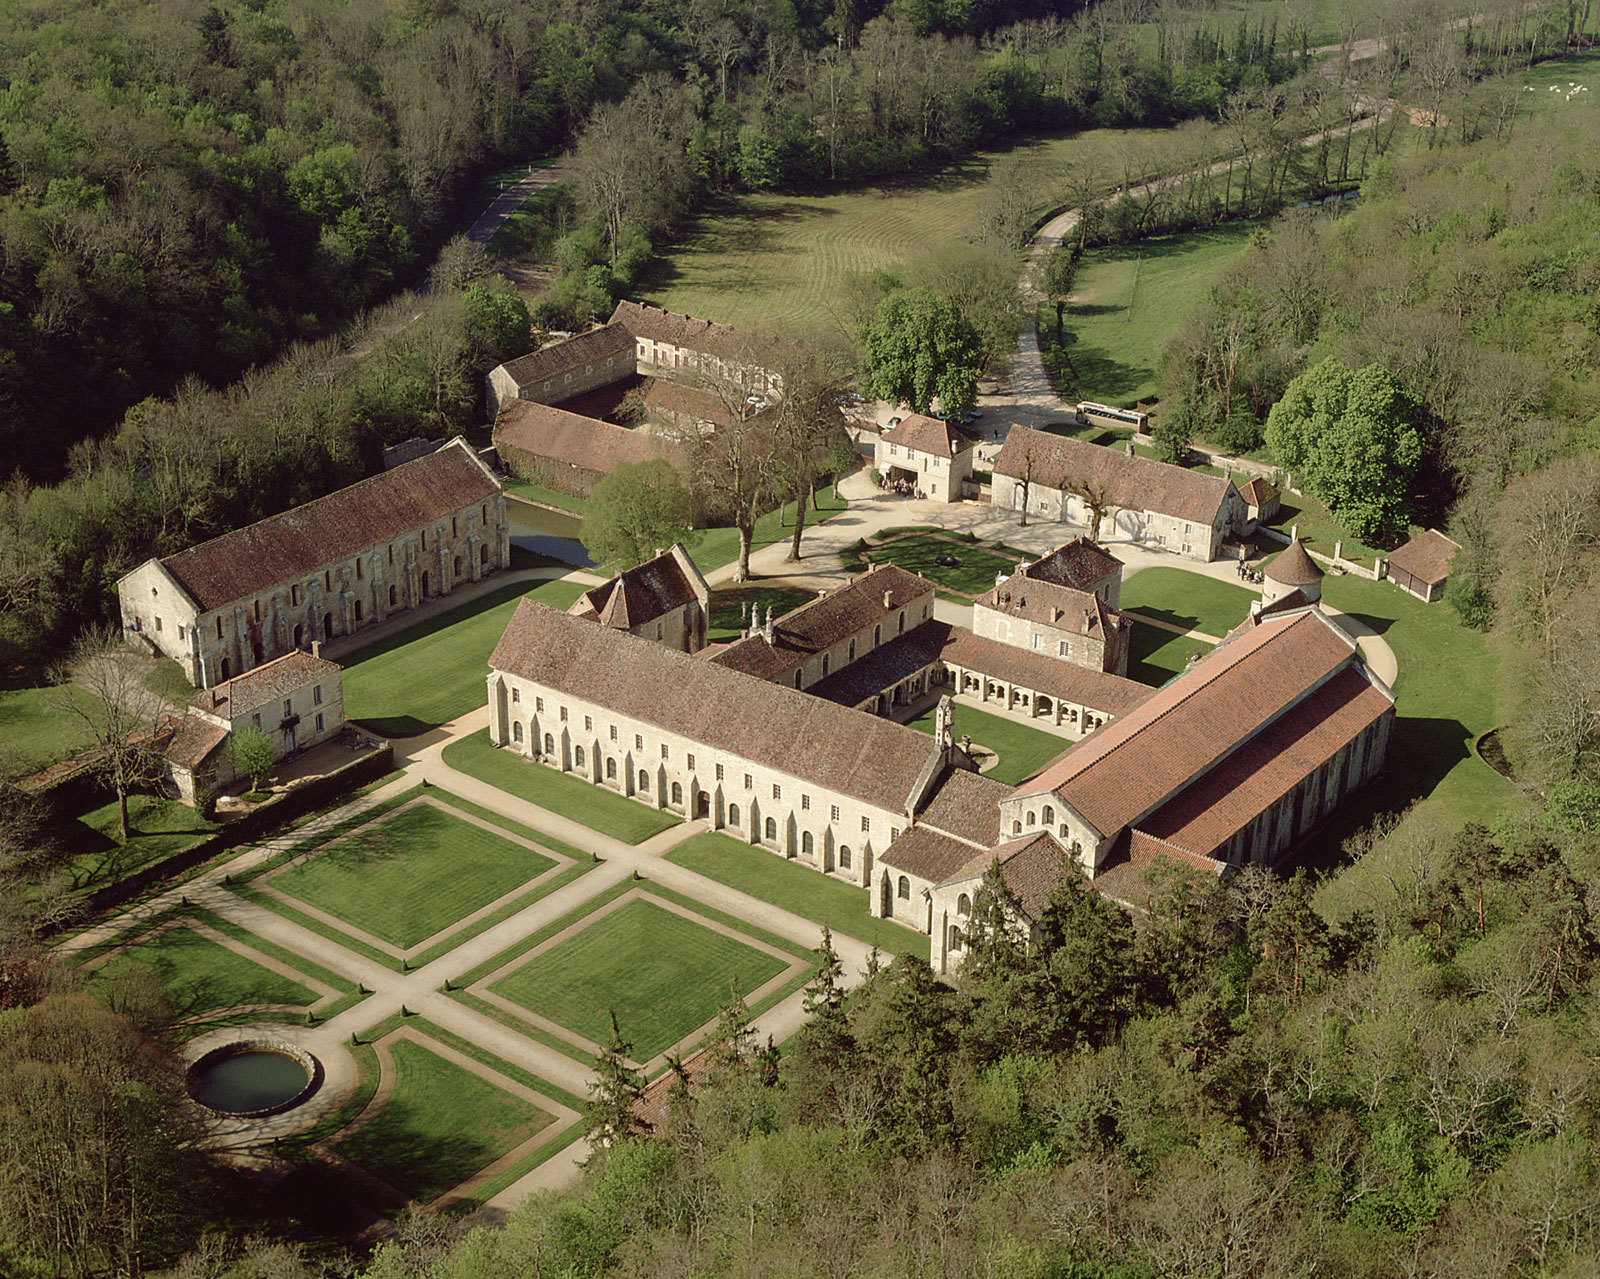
{"points": [[726, 618], [433, 673], [796, 888], [714, 547], [199, 976], [441, 1124], [594, 806], [547, 496], [1127, 303], [1318, 529], [161, 827], [1023, 751], [1156, 655], [770, 260], [34, 733], [1189, 600], [411, 874], [920, 554], [663, 974]]}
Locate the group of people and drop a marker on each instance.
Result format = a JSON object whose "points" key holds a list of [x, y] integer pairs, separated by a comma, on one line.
{"points": [[905, 488], [1247, 573]]}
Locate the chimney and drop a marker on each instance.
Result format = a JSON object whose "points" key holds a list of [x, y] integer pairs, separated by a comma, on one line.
{"points": [[966, 743], [316, 648], [1294, 532], [766, 628], [216, 699], [888, 596]]}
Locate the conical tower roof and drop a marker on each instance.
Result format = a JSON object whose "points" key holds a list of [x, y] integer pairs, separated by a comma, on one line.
{"points": [[1294, 567]]}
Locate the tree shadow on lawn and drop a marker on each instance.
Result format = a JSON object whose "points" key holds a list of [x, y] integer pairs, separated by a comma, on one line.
{"points": [[402, 1147], [450, 617], [1167, 615]]}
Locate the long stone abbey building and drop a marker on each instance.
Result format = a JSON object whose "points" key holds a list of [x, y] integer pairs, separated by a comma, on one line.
{"points": [[321, 570]]}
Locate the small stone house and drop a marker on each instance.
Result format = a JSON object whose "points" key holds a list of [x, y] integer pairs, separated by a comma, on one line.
{"points": [[665, 599], [1036, 610], [327, 568], [1146, 501], [1262, 502], [297, 700], [1422, 566], [935, 456]]}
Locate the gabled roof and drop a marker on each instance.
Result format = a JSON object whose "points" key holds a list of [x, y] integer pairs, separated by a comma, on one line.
{"points": [[928, 435], [640, 595], [195, 740], [1079, 612], [1156, 749], [300, 541], [1258, 492], [1294, 567], [1031, 867], [1130, 483], [1078, 564], [672, 327], [825, 621], [1426, 557], [575, 352], [266, 685], [769, 724], [1067, 681], [577, 441], [966, 806]]}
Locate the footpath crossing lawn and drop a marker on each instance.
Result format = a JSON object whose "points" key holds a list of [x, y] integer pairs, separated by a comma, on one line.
{"points": [[796, 888], [411, 874], [441, 1124], [1023, 751], [664, 975], [1190, 600], [713, 547], [434, 673], [200, 976], [599, 809]]}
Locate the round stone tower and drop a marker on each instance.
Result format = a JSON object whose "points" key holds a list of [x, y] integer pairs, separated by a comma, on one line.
{"points": [[1294, 570]]}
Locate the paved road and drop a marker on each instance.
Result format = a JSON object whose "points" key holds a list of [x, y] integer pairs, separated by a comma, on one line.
{"points": [[512, 198]]}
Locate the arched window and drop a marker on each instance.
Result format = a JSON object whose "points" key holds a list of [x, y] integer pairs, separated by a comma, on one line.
{"points": [[955, 936], [808, 846], [677, 793], [644, 780], [1031, 818], [852, 650], [358, 605], [824, 663], [611, 769], [458, 566], [1063, 830], [1048, 817], [299, 632], [844, 856], [733, 814], [964, 906], [549, 744], [903, 889], [902, 629], [797, 679], [877, 635], [577, 756], [772, 829], [1016, 828], [225, 665], [392, 597], [516, 732]]}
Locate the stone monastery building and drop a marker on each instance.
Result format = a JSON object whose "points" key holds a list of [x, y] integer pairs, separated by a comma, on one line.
{"points": [[324, 569], [780, 739], [665, 599]]}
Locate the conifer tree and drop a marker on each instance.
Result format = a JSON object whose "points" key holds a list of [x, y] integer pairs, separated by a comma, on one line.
{"points": [[610, 1116]]}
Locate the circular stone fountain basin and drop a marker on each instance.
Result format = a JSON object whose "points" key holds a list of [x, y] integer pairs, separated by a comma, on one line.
{"points": [[253, 1079]]}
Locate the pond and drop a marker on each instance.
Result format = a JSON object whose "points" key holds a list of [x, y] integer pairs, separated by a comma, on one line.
{"points": [[248, 1081], [547, 532]]}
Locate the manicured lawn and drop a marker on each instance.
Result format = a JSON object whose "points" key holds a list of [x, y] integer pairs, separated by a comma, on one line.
{"points": [[200, 976], [1318, 529], [1128, 301], [713, 547], [546, 496], [1023, 751], [161, 827], [1190, 600], [440, 1125], [1156, 655], [797, 888], [1444, 699], [727, 621], [35, 733], [767, 260], [411, 874], [433, 673], [663, 974], [973, 576], [594, 806], [168, 682]]}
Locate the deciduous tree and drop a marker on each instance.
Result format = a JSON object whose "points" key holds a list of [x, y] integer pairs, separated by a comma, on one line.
{"points": [[636, 510], [919, 346]]}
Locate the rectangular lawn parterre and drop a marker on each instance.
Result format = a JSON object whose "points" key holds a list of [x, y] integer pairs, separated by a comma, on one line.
{"points": [[411, 874], [663, 975], [1023, 751], [581, 801], [805, 892], [1190, 600], [441, 1124], [434, 673], [200, 976], [974, 575]]}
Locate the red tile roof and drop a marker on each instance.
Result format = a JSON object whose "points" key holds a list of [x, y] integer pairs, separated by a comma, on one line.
{"points": [[769, 724], [253, 559], [1075, 611], [928, 854], [1079, 564], [1130, 482], [575, 352], [654, 1104], [1066, 681], [695, 402], [268, 683], [1187, 727], [821, 623], [1124, 875], [1258, 492], [639, 595], [967, 806], [195, 741], [928, 435], [584, 442], [673, 328], [1426, 557], [1294, 567], [1203, 817], [1031, 867]]}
